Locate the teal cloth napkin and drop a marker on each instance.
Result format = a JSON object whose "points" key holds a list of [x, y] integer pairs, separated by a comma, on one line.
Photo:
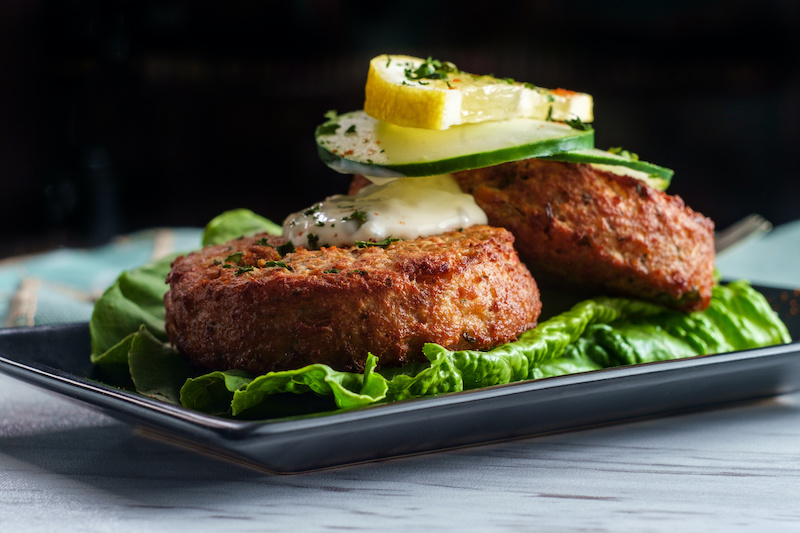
{"points": [[62, 285]]}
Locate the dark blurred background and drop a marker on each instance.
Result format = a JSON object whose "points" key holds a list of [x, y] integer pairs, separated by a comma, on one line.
{"points": [[122, 115]]}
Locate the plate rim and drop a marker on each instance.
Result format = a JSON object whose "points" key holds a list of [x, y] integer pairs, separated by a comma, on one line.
{"points": [[237, 429], [537, 406]]}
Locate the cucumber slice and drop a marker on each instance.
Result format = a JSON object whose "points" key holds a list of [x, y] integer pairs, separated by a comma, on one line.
{"points": [[355, 143], [657, 176]]}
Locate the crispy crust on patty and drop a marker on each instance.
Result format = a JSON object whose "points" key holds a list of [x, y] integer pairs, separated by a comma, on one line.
{"points": [[578, 225], [237, 306]]}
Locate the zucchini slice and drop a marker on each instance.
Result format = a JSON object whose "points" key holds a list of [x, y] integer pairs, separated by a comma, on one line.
{"points": [[355, 143], [655, 175]]}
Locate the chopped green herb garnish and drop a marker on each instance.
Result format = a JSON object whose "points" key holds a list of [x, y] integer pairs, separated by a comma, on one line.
{"points": [[313, 240], [279, 264], [329, 128], [242, 269], [618, 150], [381, 244], [578, 124], [351, 130], [356, 215], [263, 242], [431, 69], [285, 248], [331, 271], [313, 209], [235, 258]]}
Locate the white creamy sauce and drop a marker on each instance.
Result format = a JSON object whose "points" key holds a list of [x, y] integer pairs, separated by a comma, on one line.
{"points": [[404, 208]]}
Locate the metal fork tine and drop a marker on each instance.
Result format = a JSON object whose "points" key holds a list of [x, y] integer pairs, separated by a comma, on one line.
{"points": [[740, 231]]}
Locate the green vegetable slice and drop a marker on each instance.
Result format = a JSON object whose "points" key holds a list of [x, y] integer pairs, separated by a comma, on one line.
{"points": [[355, 143], [621, 162]]}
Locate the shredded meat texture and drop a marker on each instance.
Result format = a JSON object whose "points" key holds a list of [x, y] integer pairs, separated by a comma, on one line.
{"points": [[242, 305], [599, 231]]}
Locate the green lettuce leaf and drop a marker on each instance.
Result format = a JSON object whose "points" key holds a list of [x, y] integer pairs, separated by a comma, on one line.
{"points": [[438, 377], [345, 388], [609, 332], [157, 370], [129, 344], [213, 392], [237, 223], [135, 298]]}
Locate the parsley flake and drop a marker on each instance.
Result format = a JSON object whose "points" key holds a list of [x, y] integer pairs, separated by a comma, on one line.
{"points": [[380, 244], [329, 128], [235, 257], [618, 150], [285, 248], [313, 209], [431, 69], [578, 124], [278, 264], [361, 216]]}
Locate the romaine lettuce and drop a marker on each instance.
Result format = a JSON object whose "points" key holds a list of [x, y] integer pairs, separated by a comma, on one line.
{"points": [[129, 343]]}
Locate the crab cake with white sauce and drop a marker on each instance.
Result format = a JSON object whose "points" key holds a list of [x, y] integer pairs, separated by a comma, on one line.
{"points": [[245, 305]]}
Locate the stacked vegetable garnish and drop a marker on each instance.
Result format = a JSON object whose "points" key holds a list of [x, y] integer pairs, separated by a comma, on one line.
{"points": [[425, 121], [424, 117]]}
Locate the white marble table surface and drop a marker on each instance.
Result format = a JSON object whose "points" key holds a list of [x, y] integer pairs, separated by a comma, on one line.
{"points": [[65, 467]]}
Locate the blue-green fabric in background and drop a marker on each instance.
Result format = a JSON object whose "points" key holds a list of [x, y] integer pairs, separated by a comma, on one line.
{"points": [[61, 286]]}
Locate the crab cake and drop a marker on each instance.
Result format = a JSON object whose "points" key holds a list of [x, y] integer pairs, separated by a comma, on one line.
{"points": [[244, 305], [577, 225]]}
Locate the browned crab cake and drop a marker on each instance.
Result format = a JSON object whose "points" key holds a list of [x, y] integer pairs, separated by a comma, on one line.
{"points": [[243, 305]]}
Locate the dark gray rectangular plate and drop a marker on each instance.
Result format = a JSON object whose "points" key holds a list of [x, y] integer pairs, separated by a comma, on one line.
{"points": [[57, 358]]}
